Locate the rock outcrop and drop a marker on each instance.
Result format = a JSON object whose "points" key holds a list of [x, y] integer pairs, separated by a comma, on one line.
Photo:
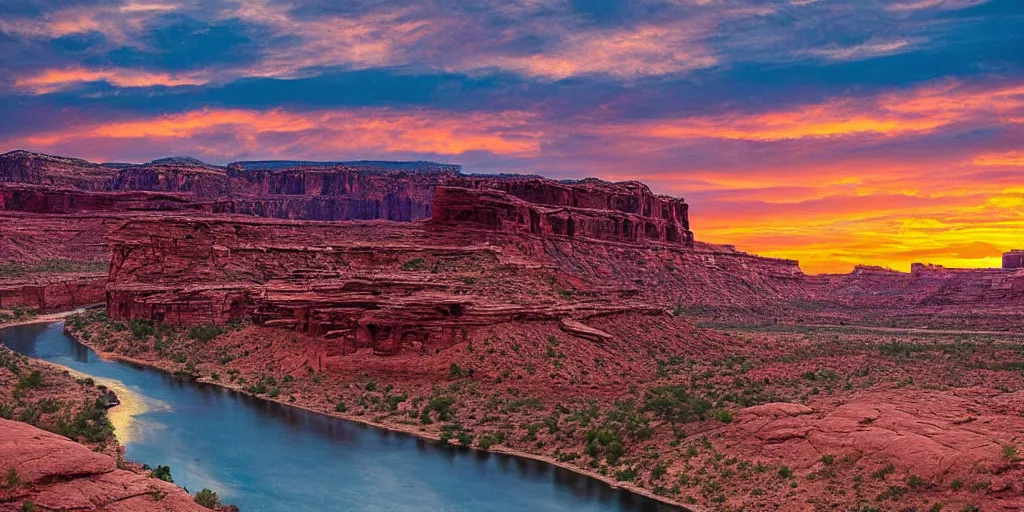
{"points": [[618, 220], [55, 473], [53, 292], [1013, 259]]}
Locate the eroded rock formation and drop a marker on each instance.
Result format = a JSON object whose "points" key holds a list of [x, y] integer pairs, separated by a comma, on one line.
{"points": [[1013, 259], [53, 292], [55, 473]]}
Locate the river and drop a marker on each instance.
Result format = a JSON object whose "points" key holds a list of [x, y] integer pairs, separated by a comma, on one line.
{"points": [[264, 456]]}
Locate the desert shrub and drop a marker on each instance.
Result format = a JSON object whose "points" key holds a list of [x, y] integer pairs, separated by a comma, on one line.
{"points": [[33, 380], [414, 264], [894, 492], [90, 424], [162, 473], [141, 328], [208, 499], [486, 440], [659, 471], [12, 480], [1010, 452], [442, 405], [457, 372], [392, 401], [883, 472], [723, 415], [205, 333], [604, 441], [626, 475], [673, 403]]}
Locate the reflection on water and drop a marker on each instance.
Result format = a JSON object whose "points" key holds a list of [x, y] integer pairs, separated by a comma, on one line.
{"points": [[266, 456]]}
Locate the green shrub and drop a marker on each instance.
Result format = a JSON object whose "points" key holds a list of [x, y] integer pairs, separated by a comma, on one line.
{"points": [[486, 440], [162, 473], [414, 264], [626, 475], [1010, 452], [916, 482], [91, 423], [883, 472], [205, 333], [723, 415], [465, 438], [785, 472], [141, 328], [208, 499], [456, 372], [894, 492], [13, 480], [659, 471], [442, 405], [33, 380], [673, 403]]}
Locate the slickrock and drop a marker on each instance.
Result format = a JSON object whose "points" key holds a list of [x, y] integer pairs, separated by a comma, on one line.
{"points": [[55, 473], [921, 434]]}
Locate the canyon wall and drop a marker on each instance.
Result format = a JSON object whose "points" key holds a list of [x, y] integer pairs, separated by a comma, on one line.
{"points": [[613, 212], [53, 292]]}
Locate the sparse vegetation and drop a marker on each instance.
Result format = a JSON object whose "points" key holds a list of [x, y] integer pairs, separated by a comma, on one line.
{"points": [[162, 473], [207, 498]]}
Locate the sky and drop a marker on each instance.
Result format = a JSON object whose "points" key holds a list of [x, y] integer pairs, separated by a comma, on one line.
{"points": [[879, 132]]}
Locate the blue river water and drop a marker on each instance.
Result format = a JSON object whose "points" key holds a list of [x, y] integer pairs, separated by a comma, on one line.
{"points": [[264, 456]]}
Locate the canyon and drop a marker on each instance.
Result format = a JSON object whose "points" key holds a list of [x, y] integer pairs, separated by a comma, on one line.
{"points": [[578, 321]]}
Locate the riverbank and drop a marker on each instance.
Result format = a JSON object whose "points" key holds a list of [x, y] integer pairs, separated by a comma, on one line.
{"points": [[417, 431]]}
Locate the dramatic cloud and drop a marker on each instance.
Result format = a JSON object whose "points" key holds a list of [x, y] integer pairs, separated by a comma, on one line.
{"points": [[55, 79], [878, 131], [279, 133]]}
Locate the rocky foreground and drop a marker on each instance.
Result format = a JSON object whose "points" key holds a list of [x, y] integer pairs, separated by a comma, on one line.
{"points": [[58, 450], [46, 471]]}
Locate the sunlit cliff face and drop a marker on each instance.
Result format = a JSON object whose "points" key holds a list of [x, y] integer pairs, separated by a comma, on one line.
{"points": [[880, 132]]}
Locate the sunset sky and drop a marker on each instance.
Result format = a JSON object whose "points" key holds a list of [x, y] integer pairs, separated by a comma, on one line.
{"points": [[880, 132]]}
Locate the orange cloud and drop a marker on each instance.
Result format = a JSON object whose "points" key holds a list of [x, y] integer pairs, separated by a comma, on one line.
{"points": [[55, 79], [922, 110], [1008, 159], [332, 131]]}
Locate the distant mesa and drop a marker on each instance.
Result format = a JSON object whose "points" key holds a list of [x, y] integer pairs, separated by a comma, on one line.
{"points": [[1013, 259]]}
